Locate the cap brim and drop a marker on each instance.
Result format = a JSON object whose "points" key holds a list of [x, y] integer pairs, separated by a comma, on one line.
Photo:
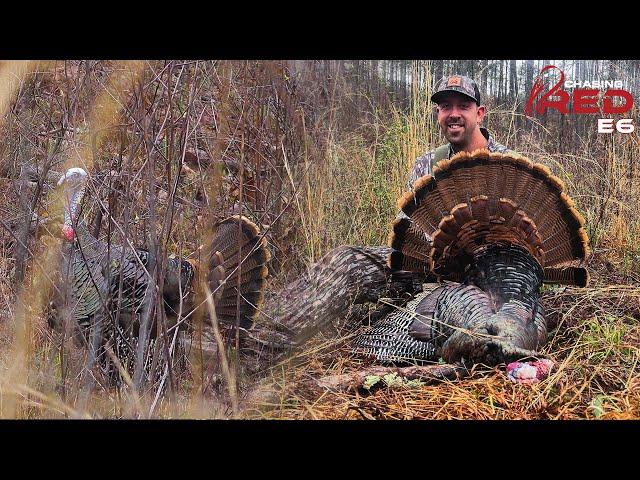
{"points": [[438, 95]]}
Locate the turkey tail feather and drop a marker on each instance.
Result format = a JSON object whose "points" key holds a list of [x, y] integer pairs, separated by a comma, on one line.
{"points": [[578, 276], [238, 270]]}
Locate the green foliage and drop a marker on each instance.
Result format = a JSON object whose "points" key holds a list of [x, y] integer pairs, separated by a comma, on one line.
{"points": [[391, 380], [604, 336], [596, 405], [370, 381]]}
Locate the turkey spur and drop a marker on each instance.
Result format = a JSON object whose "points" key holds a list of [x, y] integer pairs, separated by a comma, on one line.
{"points": [[108, 283], [493, 228]]}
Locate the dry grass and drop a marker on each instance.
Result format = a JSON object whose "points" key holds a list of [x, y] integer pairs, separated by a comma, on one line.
{"points": [[596, 347]]}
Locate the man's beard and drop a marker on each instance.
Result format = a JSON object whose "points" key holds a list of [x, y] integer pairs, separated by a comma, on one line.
{"points": [[457, 140]]}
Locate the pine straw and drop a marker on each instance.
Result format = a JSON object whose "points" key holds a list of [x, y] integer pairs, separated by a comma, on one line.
{"points": [[596, 346]]}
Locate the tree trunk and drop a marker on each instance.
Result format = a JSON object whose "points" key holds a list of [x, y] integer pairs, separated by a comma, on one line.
{"points": [[528, 83], [513, 78]]}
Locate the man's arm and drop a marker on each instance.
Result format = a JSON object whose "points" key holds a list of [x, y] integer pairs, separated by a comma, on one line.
{"points": [[420, 168]]}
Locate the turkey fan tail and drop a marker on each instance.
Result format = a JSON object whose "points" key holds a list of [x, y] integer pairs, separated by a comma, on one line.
{"points": [[475, 200], [410, 247], [238, 270]]}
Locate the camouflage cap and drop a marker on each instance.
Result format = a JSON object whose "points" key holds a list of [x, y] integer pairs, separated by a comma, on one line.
{"points": [[456, 83]]}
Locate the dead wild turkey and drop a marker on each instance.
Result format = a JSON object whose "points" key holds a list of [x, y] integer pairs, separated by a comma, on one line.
{"points": [[107, 283], [493, 227]]}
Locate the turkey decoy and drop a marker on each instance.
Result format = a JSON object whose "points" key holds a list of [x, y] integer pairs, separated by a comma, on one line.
{"points": [[109, 282]]}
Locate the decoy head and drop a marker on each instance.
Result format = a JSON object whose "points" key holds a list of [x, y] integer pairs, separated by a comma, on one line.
{"points": [[73, 182]]}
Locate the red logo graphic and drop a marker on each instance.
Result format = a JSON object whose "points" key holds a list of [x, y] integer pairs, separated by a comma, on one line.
{"points": [[583, 100]]}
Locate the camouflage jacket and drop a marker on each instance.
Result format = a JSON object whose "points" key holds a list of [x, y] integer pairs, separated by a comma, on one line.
{"points": [[423, 163]]}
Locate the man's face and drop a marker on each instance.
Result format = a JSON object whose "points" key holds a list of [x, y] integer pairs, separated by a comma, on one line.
{"points": [[459, 116]]}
